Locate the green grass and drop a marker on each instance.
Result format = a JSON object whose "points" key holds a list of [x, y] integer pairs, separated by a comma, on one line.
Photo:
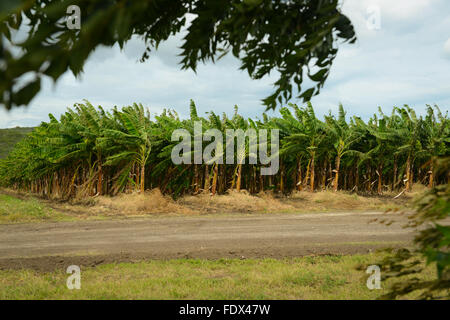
{"points": [[325, 277], [9, 137], [14, 210]]}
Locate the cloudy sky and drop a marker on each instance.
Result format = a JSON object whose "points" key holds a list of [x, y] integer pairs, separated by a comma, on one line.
{"points": [[401, 58]]}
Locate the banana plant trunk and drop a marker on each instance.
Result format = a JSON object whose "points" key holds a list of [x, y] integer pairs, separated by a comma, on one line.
{"points": [[239, 177], [408, 173], [430, 183], [142, 178], [299, 179], [380, 179], [324, 175], [215, 176], [207, 181], [100, 177], [312, 172], [261, 182], [336, 178], [394, 179], [255, 183], [308, 168], [196, 179]]}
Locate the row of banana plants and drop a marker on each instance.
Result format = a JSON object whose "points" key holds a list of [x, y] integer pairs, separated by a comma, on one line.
{"points": [[92, 151]]}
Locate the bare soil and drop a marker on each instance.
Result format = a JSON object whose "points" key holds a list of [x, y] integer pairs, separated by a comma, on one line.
{"points": [[50, 246]]}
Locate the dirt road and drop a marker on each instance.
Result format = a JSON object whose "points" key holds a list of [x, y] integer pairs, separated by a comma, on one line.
{"points": [[47, 246]]}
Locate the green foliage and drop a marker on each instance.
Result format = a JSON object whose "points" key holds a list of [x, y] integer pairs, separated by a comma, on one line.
{"points": [[432, 243], [291, 37], [91, 151], [9, 137]]}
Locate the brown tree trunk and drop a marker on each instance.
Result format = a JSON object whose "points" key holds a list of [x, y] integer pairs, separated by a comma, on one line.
{"points": [[215, 176], [307, 176], [239, 177], [196, 179], [330, 173], [222, 181], [261, 182], [351, 178], [394, 179], [142, 178], [431, 181], [137, 172], [312, 173], [324, 175], [408, 174], [206, 187], [255, 188], [324, 178], [282, 177], [380, 179], [298, 180], [336, 178], [100, 177]]}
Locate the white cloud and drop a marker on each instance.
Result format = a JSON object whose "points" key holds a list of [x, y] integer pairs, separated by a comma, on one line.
{"points": [[447, 48], [403, 9], [403, 62], [399, 9]]}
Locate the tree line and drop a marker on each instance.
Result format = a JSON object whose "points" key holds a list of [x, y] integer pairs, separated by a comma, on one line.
{"points": [[90, 151]]}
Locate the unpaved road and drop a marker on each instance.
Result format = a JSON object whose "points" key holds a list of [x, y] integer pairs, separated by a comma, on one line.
{"points": [[46, 246]]}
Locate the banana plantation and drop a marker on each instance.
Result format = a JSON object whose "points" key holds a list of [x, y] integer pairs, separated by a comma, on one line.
{"points": [[90, 151]]}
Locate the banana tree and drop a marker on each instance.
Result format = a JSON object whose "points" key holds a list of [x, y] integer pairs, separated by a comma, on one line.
{"points": [[130, 145], [342, 139]]}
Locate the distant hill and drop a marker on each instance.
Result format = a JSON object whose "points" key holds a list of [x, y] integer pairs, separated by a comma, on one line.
{"points": [[9, 137]]}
